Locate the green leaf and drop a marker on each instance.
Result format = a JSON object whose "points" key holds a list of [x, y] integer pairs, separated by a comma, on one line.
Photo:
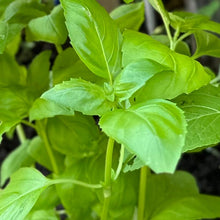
{"points": [[15, 160], [155, 132], [14, 103], [176, 197], [134, 76], [37, 150], [3, 35], [22, 11], [77, 135], [21, 194], [189, 22], [68, 65], [38, 74], [11, 72], [3, 5], [50, 28], [42, 108], [202, 111], [77, 201], [42, 214], [182, 47], [182, 79], [7, 125], [80, 95], [95, 37], [45, 206], [129, 16], [207, 44]]}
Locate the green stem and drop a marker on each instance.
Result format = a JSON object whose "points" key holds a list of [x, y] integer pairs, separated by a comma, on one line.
{"points": [[20, 133], [121, 159], [175, 38], [182, 37], [28, 124], [59, 48], [42, 133], [77, 182], [108, 179], [142, 192], [165, 19]]}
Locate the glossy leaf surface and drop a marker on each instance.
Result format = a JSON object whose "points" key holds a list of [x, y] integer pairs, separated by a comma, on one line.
{"points": [[20, 195], [155, 132], [94, 36], [202, 111], [80, 95], [182, 79], [134, 76]]}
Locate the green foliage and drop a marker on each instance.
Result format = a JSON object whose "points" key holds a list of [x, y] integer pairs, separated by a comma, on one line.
{"points": [[129, 16], [105, 111], [202, 114], [15, 160], [20, 195], [168, 195], [100, 47], [181, 79], [49, 28], [157, 127], [80, 95]]}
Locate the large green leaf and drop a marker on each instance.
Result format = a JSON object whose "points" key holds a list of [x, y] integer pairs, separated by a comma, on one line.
{"points": [[38, 74], [94, 35], [182, 79], [80, 95], [189, 22], [155, 132], [176, 197], [50, 28], [134, 76], [77, 135], [207, 44], [22, 11], [202, 111], [129, 16], [21, 194], [15, 160], [68, 65], [42, 108]]}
